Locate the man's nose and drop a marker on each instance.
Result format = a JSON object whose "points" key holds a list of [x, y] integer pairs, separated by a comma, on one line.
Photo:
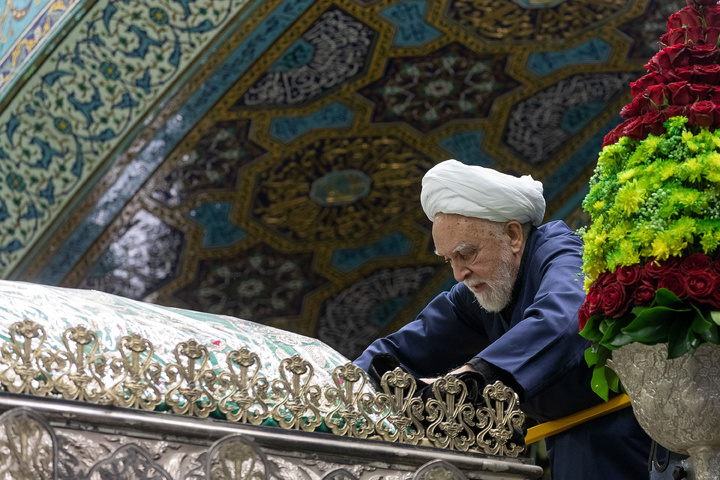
{"points": [[460, 272]]}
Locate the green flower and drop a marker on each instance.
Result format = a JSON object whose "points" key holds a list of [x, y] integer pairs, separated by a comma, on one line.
{"points": [[110, 70], [159, 16], [15, 182]]}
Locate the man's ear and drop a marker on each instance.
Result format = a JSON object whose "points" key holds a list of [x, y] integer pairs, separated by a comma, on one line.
{"points": [[514, 231]]}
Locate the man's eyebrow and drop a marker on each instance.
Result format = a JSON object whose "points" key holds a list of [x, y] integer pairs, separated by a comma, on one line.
{"points": [[460, 247]]}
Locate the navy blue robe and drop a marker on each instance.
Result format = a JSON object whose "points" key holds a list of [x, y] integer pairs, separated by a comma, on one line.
{"points": [[539, 347]]}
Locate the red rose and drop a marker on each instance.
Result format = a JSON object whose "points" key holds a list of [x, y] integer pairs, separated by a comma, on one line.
{"points": [[635, 129], [631, 109], [644, 294], [593, 301], [711, 35], [691, 36], [615, 300], [702, 113], [641, 84], [659, 78], [655, 122], [686, 17], [668, 58], [652, 99], [696, 261], [611, 138], [709, 74], [674, 111], [699, 54], [682, 74], [583, 315], [715, 299], [604, 279], [675, 36], [700, 285], [674, 281], [628, 275], [712, 15], [680, 93], [657, 269], [699, 92]]}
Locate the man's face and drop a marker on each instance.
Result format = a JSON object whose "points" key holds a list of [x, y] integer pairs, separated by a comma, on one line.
{"points": [[481, 256]]}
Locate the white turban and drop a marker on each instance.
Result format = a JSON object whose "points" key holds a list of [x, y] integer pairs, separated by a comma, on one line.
{"points": [[453, 187]]}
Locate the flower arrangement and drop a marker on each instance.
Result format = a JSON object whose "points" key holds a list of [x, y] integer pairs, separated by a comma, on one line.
{"points": [[652, 251]]}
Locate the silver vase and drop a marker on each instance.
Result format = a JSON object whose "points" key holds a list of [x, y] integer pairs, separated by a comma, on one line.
{"points": [[677, 402]]}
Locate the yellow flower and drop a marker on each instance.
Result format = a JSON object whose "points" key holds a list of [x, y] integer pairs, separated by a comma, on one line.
{"points": [[660, 248], [626, 175], [630, 197], [651, 144], [628, 254], [643, 233], [687, 198], [710, 241], [689, 140], [692, 170], [683, 228], [712, 167]]}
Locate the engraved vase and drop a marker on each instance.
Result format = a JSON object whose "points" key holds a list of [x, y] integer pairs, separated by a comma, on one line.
{"points": [[677, 402]]}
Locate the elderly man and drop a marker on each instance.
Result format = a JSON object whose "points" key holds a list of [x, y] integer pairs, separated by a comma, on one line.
{"points": [[513, 315]]}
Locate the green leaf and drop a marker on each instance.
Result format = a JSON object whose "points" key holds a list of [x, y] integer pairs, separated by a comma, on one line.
{"points": [[599, 382], [612, 379], [705, 329], [715, 317], [679, 338], [666, 298], [591, 357], [613, 337], [619, 340], [591, 328], [652, 325]]}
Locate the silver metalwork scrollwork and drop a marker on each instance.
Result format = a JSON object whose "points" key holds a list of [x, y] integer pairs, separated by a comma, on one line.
{"points": [[28, 447], [245, 395], [498, 419], [401, 413], [137, 375], [349, 405], [450, 417], [297, 399], [80, 370], [192, 381], [234, 458]]}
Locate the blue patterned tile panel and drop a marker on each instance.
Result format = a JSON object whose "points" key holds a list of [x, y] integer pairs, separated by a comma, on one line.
{"points": [[466, 147], [592, 51], [394, 245], [87, 97], [408, 18], [218, 230], [335, 115]]}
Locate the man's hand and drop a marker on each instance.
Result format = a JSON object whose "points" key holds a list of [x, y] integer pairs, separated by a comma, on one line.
{"points": [[463, 368]]}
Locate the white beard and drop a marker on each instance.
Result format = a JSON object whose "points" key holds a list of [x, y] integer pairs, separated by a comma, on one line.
{"points": [[498, 293]]}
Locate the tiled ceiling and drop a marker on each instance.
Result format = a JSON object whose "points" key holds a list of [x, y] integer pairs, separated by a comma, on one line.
{"points": [[262, 158]]}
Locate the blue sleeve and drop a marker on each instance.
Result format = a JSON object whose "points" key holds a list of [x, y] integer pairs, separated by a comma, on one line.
{"points": [[445, 335], [544, 348]]}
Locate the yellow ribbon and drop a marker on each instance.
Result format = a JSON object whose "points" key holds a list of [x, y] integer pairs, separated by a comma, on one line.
{"points": [[547, 429]]}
